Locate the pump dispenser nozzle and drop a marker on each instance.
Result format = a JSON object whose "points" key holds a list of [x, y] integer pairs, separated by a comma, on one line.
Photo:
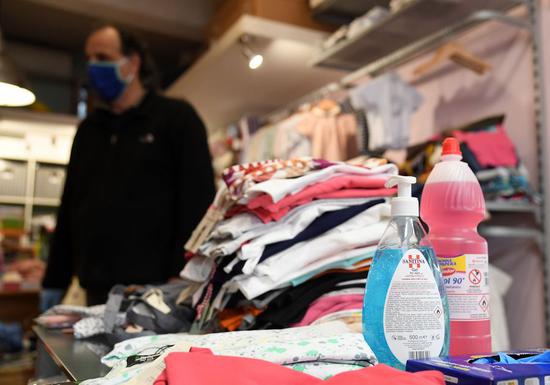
{"points": [[404, 204]]}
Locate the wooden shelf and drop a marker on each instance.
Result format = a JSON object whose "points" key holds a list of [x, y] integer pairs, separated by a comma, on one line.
{"points": [[344, 11]]}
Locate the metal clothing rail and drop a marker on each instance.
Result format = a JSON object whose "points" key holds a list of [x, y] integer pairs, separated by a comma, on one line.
{"points": [[539, 95], [402, 56]]}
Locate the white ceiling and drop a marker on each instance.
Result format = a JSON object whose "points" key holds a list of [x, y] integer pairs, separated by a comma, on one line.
{"points": [[222, 87]]}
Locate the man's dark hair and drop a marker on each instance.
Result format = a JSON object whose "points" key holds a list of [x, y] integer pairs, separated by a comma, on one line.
{"points": [[131, 44]]}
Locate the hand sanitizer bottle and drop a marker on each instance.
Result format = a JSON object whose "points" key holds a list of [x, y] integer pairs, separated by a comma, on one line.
{"points": [[405, 312]]}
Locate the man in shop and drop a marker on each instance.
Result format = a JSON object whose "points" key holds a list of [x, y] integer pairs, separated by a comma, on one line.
{"points": [[138, 182]]}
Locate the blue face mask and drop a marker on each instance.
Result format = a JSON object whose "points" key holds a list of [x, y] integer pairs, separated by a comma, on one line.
{"points": [[106, 79]]}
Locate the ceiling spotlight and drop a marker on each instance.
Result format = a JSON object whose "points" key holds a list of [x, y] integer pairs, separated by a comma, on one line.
{"points": [[255, 60]]}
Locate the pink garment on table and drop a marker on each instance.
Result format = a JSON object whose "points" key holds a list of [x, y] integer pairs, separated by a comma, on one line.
{"points": [[491, 148], [202, 368], [346, 186], [333, 137], [330, 304], [314, 191], [267, 215]]}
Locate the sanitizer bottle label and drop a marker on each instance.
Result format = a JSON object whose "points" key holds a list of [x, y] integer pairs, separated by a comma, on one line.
{"points": [[466, 279], [414, 321]]}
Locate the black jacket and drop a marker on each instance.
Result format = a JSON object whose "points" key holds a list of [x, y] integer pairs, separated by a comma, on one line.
{"points": [[137, 185]]}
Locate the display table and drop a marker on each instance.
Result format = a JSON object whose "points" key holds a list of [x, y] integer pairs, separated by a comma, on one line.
{"points": [[74, 357]]}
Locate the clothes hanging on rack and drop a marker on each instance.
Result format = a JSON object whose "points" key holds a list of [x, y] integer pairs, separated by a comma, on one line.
{"points": [[389, 103], [289, 141], [333, 137], [362, 125], [321, 131]]}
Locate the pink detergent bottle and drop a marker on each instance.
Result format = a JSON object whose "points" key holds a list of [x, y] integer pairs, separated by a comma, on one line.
{"points": [[453, 205]]}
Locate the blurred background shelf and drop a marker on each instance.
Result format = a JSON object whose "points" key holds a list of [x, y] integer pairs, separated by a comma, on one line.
{"points": [[433, 20]]}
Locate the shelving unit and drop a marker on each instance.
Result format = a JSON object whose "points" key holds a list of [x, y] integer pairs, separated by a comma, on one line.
{"points": [[342, 11], [30, 200], [512, 207], [31, 140], [421, 26]]}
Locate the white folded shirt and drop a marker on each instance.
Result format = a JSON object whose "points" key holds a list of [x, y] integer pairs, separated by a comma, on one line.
{"points": [[254, 285], [364, 229], [292, 223]]}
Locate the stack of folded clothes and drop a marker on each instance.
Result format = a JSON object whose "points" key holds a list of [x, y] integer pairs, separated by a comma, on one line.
{"points": [[294, 247]]}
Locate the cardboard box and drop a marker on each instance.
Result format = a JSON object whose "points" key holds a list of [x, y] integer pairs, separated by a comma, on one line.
{"points": [[461, 370]]}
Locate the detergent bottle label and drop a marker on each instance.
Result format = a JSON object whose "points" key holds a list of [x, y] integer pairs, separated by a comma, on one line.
{"points": [[414, 320], [466, 279]]}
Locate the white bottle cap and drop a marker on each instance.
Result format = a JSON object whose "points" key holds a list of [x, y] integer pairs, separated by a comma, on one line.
{"points": [[404, 205]]}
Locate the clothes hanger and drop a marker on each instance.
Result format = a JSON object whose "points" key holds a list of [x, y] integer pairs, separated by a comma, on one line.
{"points": [[456, 53]]}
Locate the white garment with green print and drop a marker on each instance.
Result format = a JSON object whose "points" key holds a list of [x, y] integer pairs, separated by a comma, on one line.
{"points": [[322, 350]]}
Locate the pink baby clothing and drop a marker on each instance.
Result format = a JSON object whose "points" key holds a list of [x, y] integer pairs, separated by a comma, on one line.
{"points": [[491, 148], [347, 186], [333, 137], [203, 368], [330, 304]]}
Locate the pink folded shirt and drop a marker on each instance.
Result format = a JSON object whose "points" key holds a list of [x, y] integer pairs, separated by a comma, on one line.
{"points": [[347, 186], [330, 304], [491, 148]]}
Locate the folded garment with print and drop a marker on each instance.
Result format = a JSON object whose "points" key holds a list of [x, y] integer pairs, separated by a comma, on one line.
{"points": [[240, 178], [320, 350], [280, 188], [201, 367]]}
